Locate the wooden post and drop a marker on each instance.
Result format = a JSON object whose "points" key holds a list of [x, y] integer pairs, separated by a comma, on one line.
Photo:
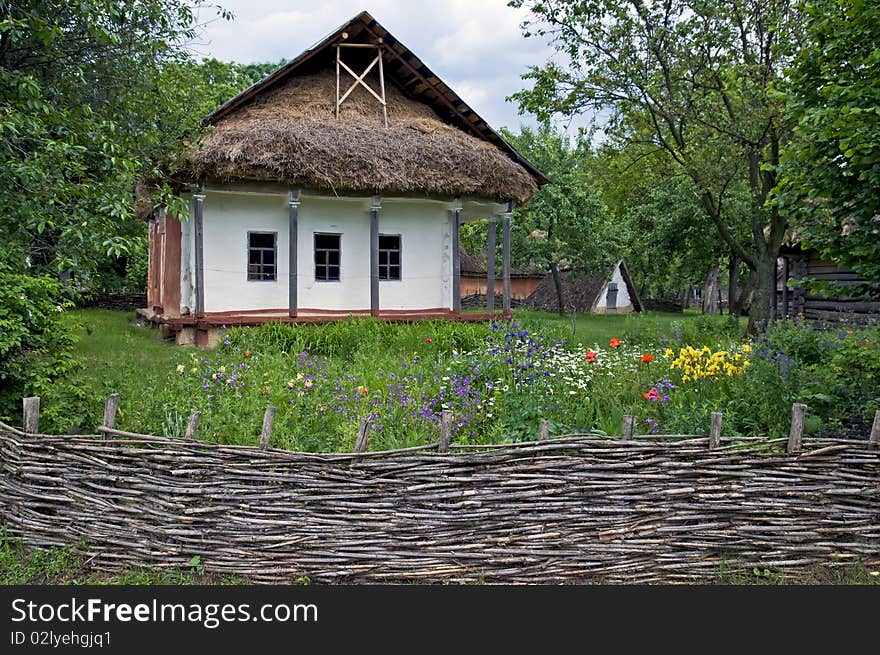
{"points": [[30, 410], [715, 431], [456, 257], [490, 266], [875, 429], [363, 436], [293, 244], [796, 434], [192, 425], [445, 431], [198, 225], [785, 276], [505, 256], [266, 434], [629, 426], [374, 255], [110, 408], [545, 429]]}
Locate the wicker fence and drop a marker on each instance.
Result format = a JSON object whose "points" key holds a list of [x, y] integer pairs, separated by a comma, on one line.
{"points": [[569, 509]]}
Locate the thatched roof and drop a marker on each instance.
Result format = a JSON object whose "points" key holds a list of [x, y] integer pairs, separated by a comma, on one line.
{"points": [[284, 129]]}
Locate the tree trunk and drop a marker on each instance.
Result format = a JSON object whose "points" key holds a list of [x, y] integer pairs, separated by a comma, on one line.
{"points": [[557, 282], [733, 307], [710, 292], [759, 312]]}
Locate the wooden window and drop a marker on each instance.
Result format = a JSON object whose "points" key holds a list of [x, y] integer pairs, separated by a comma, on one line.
{"points": [[262, 256], [389, 257], [328, 253]]}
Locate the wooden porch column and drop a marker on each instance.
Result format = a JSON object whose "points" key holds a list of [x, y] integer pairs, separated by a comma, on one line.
{"points": [[456, 257], [293, 241], [374, 255], [198, 200], [490, 266], [505, 255]]}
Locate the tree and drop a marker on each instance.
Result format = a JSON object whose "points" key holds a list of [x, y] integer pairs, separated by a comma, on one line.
{"points": [[565, 222], [693, 79], [831, 168], [92, 101]]}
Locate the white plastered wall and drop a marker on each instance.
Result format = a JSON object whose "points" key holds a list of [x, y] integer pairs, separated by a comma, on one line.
{"points": [[227, 218], [425, 227]]}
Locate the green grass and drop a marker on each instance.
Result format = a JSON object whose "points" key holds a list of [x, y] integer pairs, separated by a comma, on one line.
{"points": [[69, 565], [645, 328]]}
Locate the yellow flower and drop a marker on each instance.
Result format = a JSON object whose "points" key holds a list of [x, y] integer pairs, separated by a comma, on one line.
{"points": [[746, 348], [222, 369], [180, 368], [669, 353]]}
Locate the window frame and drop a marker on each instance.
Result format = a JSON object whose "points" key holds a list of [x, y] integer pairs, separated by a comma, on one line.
{"points": [[399, 264], [248, 248], [315, 256]]}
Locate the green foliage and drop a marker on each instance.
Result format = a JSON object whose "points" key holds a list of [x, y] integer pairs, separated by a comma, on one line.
{"points": [[564, 222], [832, 166], [35, 346], [690, 80]]}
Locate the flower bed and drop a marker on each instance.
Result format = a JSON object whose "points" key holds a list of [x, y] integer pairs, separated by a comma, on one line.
{"points": [[500, 389]]}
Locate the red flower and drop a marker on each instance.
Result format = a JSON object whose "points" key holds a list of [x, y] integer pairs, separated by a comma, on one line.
{"points": [[647, 358], [590, 356], [247, 352], [614, 343], [652, 395], [427, 339]]}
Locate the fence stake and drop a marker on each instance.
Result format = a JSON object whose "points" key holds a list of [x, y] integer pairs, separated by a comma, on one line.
{"points": [[715, 432], [193, 425], [545, 429], [266, 434], [629, 426], [363, 437], [875, 429], [795, 435], [445, 431], [110, 412], [30, 411]]}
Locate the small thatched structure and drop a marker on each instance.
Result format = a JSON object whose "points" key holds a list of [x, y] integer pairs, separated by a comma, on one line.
{"points": [[584, 293]]}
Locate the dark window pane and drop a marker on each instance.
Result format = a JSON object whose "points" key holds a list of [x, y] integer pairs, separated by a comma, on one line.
{"points": [[262, 240], [394, 273], [383, 258], [332, 272], [269, 257], [333, 257], [394, 258], [327, 242], [389, 242], [253, 257]]}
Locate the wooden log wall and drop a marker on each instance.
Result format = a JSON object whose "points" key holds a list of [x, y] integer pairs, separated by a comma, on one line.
{"points": [[564, 510], [829, 309]]}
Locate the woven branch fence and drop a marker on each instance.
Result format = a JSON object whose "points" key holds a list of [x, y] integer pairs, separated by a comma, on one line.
{"points": [[562, 510]]}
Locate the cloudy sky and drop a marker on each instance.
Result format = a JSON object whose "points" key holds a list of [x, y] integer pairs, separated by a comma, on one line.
{"points": [[475, 46]]}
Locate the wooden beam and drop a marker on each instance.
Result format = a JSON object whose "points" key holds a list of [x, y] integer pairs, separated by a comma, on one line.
{"points": [[456, 258], [198, 218], [293, 244], [490, 266], [374, 255], [505, 255]]}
